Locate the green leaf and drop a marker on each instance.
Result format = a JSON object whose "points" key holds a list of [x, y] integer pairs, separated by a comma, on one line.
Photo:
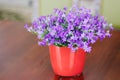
{"points": [[45, 32]]}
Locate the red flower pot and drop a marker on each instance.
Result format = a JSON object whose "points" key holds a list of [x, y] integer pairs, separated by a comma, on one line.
{"points": [[65, 62]]}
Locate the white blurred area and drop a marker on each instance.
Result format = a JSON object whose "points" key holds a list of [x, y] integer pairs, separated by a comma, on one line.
{"points": [[94, 5], [27, 9]]}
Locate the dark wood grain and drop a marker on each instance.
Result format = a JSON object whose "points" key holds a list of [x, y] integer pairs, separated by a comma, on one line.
{"points": [[22, 59]]}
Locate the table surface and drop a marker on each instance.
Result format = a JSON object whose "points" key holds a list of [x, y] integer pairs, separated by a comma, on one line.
{"points": [[22, 59]]}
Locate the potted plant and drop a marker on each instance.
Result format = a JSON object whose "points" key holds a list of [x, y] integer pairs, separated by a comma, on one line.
{"points": [[69, 34]]}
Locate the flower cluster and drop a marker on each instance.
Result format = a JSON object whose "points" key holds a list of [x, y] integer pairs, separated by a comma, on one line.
{"points": [[74, 28]]}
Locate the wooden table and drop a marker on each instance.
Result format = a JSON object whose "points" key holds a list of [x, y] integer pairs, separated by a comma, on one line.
{"points": [[22, 59]]}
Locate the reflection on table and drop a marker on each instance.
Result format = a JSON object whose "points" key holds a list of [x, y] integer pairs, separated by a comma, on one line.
{"points": [[78, 77]]}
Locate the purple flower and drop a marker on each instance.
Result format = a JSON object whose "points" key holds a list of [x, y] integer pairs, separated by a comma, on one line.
{"points": [[74, 28], [108, 33], [87, 49], [42, 43]]}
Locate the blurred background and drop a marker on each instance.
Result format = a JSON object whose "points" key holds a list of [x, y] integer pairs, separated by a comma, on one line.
{"points": [[27, 10]]}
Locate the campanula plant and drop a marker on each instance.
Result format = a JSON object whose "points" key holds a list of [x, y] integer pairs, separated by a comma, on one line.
{"points": [[74, 28]]}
